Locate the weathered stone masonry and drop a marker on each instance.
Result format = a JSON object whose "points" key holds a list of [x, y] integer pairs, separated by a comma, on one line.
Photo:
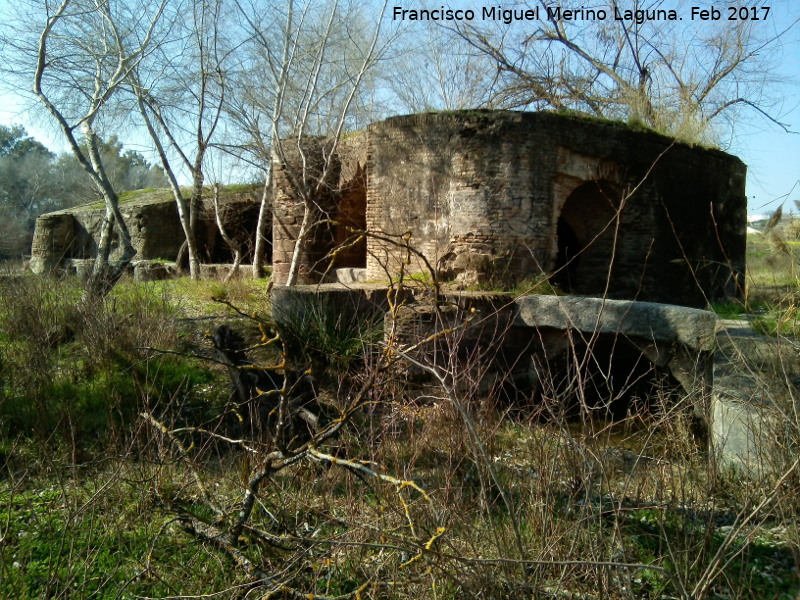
{"points": [[67, 239], [341, 199], [501, 196]]}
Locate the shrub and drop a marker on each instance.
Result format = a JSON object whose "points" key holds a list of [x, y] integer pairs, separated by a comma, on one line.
{"points": [[318, 332]]}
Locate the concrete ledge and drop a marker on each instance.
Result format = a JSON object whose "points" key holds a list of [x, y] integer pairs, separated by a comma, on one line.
{"points": [[753, 402], [692, 327], [366, 300]]}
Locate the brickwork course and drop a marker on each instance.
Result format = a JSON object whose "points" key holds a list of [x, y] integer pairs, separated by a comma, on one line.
{"points": [[498, 197]]}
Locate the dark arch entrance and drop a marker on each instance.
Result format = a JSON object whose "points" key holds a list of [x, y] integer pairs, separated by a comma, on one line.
{"points": [[351, 217], [606, 376], [586, 235]]}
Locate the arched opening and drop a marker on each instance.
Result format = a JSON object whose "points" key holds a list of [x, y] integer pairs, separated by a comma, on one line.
{"points": [[239, 220], [606, 377], [351, 218], [569, 250], [586, 235]]}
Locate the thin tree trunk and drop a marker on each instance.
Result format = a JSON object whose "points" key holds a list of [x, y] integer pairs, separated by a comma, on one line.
{"points": [[100, 269], [103, 277], [195, 206], [264, 212], [298, 253], [180, 201], [237, 249], [196, 203]]}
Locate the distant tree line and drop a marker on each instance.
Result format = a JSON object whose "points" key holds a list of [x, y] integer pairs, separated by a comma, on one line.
{"points": [[34, 181]]}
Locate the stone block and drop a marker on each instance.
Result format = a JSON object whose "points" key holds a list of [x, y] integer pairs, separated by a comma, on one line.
{"points": [[694, 328], [148, 270], [349, 275], [754, 400]]}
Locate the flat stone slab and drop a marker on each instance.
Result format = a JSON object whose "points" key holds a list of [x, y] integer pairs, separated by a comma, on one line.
{"points": [[692, 327], [755, 387], [363, 299], [349, 275]]}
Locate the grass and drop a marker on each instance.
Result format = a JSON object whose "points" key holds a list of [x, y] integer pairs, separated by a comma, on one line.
{"points": [[198, 299], [165, 194], [103, 536], [772, 298], [115, 532], [97, 502], [73, 369], [317, 334], [771, 273]]}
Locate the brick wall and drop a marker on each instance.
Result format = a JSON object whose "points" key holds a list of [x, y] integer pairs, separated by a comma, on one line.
{"points": [[482, 193], [495, 197]]}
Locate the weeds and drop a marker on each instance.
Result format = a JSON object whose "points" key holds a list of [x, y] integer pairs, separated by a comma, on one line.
{"points": [[71, 368], [315, 332], [438, 490], [771, 301]]}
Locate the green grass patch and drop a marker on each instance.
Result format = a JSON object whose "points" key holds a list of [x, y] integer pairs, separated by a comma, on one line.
{"points": [[150, 195], [208, 297], [317, 331], [69, 368], [729, 309], [103, 538]]}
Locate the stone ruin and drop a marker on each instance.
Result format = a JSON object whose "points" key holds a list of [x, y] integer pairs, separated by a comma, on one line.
{"points": [[66, 240], [490, 198], [640, 229], [496, 197]]}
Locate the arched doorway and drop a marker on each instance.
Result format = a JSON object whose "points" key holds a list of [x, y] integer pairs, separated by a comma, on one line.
{"points": [[587, 233], [351, 218]]}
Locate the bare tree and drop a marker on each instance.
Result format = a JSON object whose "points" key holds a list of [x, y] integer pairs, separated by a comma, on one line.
{"points": [[180, 94], [261, 83], [326, 53], [83, 53], [436, 69], [676, 76]]}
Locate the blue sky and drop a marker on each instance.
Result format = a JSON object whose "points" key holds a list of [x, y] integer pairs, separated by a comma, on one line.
{"points": [[772, 155]]}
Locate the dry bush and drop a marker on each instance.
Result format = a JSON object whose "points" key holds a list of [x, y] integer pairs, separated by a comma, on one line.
{"points": [[438, 490], [459, 484], [791, 230]]}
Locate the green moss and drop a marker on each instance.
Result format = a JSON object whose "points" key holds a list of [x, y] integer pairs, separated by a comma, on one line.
{"points": [[466, 112], [631, 124], [150, 195], [728, 309], [237, 188], [347, 135], [135, 194], [539, 285]]}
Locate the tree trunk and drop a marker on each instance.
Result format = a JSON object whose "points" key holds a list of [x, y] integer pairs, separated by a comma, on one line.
{"points": [[196, 202], [260, 251], [183, 209], [103, 277], [297, 254], [236, 248]]}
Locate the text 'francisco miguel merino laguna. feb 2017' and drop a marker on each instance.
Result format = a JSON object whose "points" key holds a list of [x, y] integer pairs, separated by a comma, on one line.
{"points": [[556, 13]]}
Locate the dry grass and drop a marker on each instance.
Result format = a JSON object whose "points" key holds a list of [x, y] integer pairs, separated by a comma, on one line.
{"points": [[440, 491]]}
